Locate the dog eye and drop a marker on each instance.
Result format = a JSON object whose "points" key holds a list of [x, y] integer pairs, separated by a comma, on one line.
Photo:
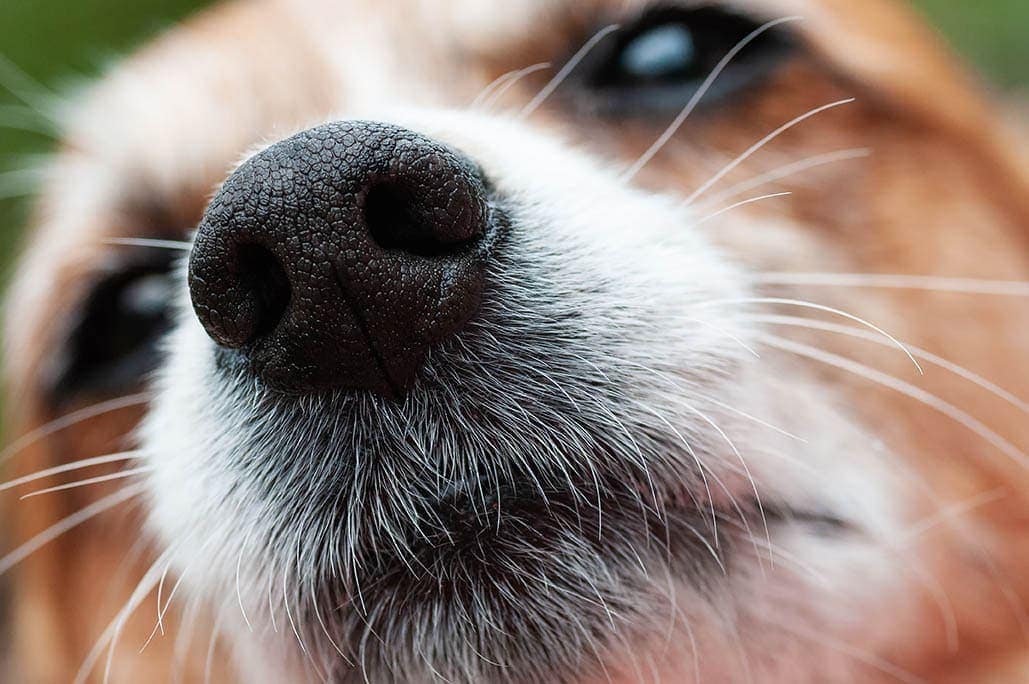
{"points": [[114, 341], [662, 53], [654, 65]]}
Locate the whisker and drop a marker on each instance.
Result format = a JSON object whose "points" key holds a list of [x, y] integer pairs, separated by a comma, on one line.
{"points": [[325, 631], [860, 655], [70, 522], [120, 624], [746, 470], [143, 588], [17, 117], [917, 393], [567, 69], [938, 593], [72, 418], [88, 481], [952, 512], [289, 613], [239, 591], [150, 242], [162, 608], [20, 182], [741, 203], [722, 331], [821, 307], [685, 112], [711, 400], [701, 470], [212, 644], [186, 638], [728, 168], [920, 353], [491, 86], [750, 417], [68, 467], [28, 90], [782, 172], [160, 590], [1004, 288], [511, 82]]}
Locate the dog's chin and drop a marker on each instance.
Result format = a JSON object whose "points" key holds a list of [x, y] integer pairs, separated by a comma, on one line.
{"points": [[423, 536], [533, 580], [445, 544]]}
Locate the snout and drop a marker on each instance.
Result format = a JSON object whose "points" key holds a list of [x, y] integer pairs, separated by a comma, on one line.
{"points": [[337, 258]]}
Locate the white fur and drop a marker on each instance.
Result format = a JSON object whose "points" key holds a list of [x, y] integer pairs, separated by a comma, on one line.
{"points": [[632, 269]]}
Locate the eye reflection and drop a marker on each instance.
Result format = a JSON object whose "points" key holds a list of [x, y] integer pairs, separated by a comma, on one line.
{"points": [[114, 341], [661, 53]]}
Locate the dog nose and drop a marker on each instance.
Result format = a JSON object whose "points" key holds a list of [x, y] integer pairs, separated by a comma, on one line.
{"points": [[337, 258]]}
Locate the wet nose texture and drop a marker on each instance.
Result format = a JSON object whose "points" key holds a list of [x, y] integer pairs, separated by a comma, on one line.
{"points": [[337, 258]]}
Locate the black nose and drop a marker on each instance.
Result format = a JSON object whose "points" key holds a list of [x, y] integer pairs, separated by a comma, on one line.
{"points": [[337, 258]]}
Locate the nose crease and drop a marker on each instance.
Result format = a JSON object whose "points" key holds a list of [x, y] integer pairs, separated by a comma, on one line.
{"points": [[362, 325]]}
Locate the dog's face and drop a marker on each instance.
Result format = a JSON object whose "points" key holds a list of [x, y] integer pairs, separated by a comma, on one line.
{"points": [[504, 356]]}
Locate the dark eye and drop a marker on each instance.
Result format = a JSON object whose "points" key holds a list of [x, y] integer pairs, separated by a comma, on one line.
{"points": [[655, 64], [114, 340]]}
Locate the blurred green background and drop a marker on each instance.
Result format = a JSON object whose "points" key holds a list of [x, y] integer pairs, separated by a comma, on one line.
{"points": [[59, 42]]}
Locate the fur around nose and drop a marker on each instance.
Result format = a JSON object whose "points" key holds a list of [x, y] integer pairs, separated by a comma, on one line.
{"points": [[337, 258]]}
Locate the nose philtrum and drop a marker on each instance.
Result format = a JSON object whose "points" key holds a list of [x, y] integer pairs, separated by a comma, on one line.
{"points": [[337, 258]]}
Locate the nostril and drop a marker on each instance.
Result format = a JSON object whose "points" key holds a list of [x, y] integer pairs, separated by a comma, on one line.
{"points": [[394, 220], [339, 257], [261, 274]]}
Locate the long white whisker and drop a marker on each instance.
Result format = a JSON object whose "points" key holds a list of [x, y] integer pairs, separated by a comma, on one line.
{"points": [[325, 631], [289, 613], [951, 513], [145, 586], [711, 400], [741, 203], [150, 242], [72, 418], [512, 82], [1004, 288], [160, 591], [567, 69], [239, 592], [185, 638], [860, 655], [212, 644], [821, 307], [722, 331], [920, 353], [68, 467], [786, 171], [685, 112], [491, 86], [17, 117], [760, 144], [917, 393], [746, 469], [20, 182], [162, 608], [26, 89], [74, 520], [748, 416], [701, 470], [88, 481]]}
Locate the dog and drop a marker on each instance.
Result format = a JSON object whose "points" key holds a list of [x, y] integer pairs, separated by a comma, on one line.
{"points": [[525, 342]]}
